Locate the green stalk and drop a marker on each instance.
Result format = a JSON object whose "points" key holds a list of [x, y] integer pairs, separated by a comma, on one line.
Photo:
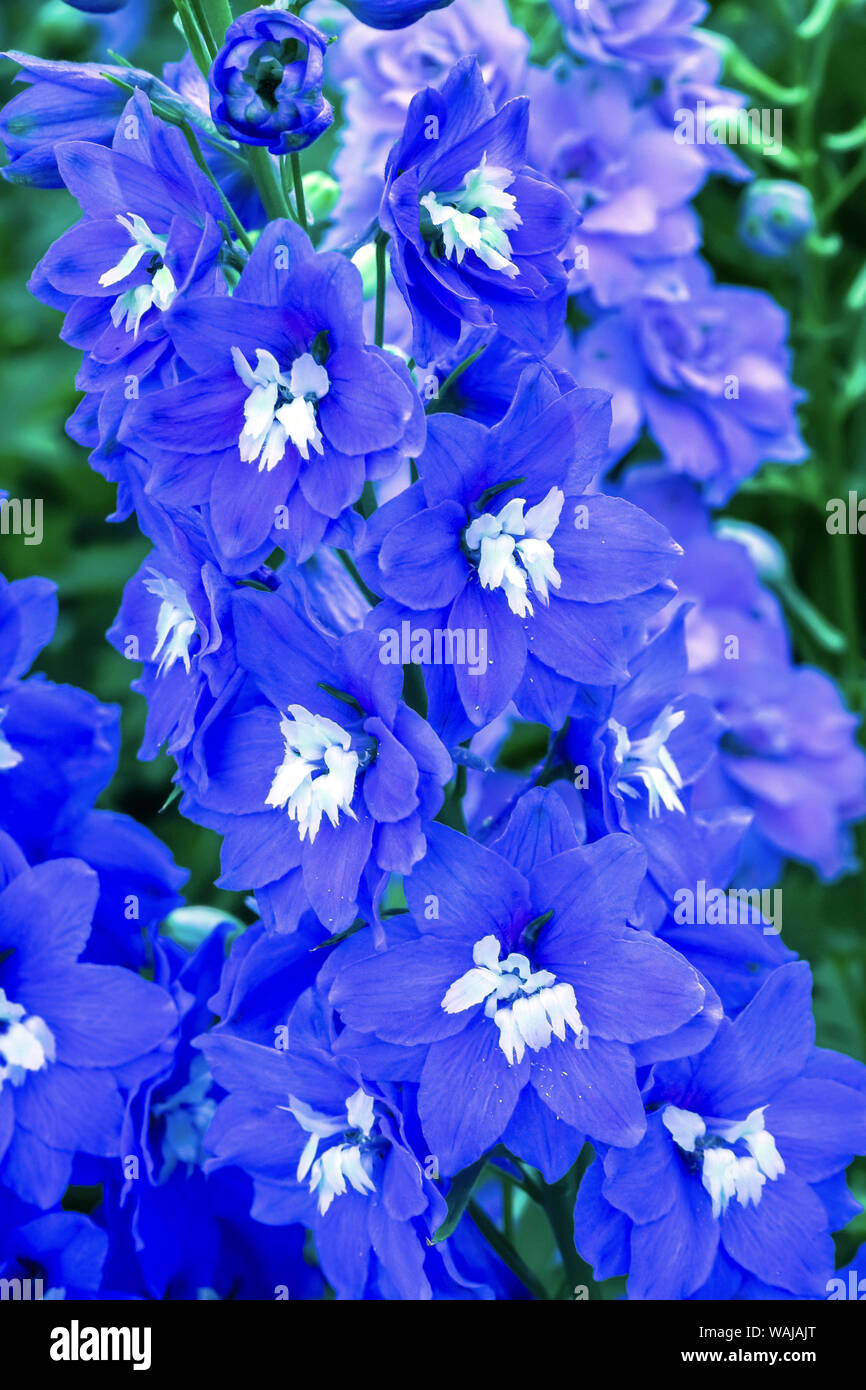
{"points": [[379, 331], [195, 42], [218, 14], [300, 202], [826, 429], [267, 180], [506, 1252]]}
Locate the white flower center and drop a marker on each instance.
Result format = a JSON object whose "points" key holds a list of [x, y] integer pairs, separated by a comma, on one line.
{"points": [[527, 1006], [175, 622], [317, 774], [648, 761], [514, 548], [9, 758], [349, 1162], [476, 217], [281, 406], [26, 1042], [724, 1173], [133, 304]]}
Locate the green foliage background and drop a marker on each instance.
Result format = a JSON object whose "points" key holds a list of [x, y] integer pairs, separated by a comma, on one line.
{"points": [[90, 560]]}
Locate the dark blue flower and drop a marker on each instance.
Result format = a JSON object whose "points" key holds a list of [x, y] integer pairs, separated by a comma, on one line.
{"points": [[69, 1033], [289, 411], [391, 14], [522, 989], [266, 81], [499, 547], [58, 1255], [475, 232], [319, 777], [327, 1148], [742, 1146]]}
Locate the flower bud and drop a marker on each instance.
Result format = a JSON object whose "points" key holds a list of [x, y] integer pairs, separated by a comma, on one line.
{"points": [[266, 82], [776, 215]]}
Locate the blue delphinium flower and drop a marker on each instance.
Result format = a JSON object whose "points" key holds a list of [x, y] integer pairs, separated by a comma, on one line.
{"points": [[55, 1255], [629, 180], [650, 35], [320, 778], [641, 746], [789, 753], [287, 412], [498, 542], [391, 14], [175, 1231], [379, 73], [71, 1035], [522, 987], [743, 1145], [58, 750], [266, 81], [149, 235], [775, 216], [704, 368], [63, 101], [331, 1150], [176, 619], [475, 232]]}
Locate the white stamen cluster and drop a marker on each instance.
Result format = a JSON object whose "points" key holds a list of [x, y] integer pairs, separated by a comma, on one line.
{"points": [[647, 761], [133, 304], [317, 774], [281, 407], [477, 217], [514, 548], [341, 1165], [725, 1174], [528, 1007]]}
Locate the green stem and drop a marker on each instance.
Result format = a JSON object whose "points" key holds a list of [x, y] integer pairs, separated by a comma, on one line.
{"points": [[300, 201], [218, 14], [506, 1252], [379, 330], [195, 42], [825, 425], [236, 224], [203, 25], [267, 179], [450, 379]]}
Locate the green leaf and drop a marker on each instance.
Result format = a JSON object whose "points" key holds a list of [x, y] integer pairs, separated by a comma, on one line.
{"points": [[459, 1194]]}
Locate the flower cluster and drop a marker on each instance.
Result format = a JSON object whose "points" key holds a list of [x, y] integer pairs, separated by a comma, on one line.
{"points": [[476, 714]]}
